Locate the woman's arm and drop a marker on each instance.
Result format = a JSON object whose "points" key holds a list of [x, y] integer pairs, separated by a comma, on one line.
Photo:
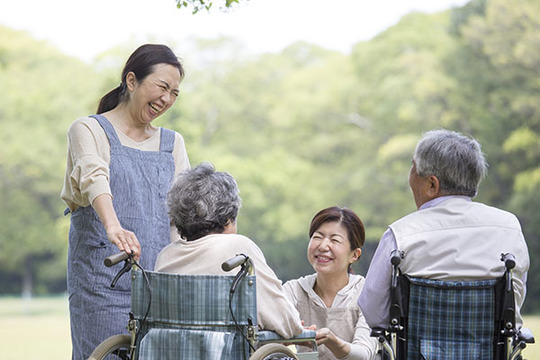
{"points": [[274, 310], [125, 240], [363, 346], [87, 168], [338, 347]]}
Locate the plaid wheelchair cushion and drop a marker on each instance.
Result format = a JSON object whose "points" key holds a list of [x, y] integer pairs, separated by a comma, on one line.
{"points": [[450, 320], [167, 344]]}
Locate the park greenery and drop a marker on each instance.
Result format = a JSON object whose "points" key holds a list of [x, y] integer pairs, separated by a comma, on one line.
{"points": [[300, 130], [208, 5]]}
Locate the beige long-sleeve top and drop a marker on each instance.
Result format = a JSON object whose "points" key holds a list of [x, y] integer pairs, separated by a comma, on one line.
{"points": [[204, 256], [88, 159], [344, 318]]}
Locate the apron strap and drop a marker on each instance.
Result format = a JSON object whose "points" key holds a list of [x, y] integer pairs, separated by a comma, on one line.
{"points": [[114, 141], [166, 142]]}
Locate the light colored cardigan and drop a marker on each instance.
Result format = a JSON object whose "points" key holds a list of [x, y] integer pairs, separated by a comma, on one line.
{"points": [[344, 318], [204, 256]]}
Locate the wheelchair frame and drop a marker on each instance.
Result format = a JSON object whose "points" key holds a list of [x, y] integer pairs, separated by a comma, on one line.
{"points": [[259, 345], [393, 340]]}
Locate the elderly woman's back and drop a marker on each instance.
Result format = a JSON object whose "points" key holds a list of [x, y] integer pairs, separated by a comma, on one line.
{"points": [[203, 205]]}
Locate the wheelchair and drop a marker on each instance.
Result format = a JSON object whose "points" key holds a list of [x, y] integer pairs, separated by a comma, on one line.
{"points": [[451, 320], [196, 317]]}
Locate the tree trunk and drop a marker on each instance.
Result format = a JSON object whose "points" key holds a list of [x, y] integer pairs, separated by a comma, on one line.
{"points": [[27, 283]]}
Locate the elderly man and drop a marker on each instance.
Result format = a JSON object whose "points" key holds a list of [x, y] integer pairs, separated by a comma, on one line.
{"points": [[450, 237]]}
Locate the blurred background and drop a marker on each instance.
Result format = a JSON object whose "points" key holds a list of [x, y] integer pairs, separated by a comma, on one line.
{"points": [[307, 104]]}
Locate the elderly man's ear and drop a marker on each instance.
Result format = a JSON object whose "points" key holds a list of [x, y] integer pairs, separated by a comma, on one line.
{"points": [[434, 188]]}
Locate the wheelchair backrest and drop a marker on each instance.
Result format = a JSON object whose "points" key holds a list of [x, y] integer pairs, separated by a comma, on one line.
{"points": [[195, 309], [450, 319]]}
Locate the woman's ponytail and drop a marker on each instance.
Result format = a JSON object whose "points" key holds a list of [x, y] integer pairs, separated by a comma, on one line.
{"points": [[111, 100]]}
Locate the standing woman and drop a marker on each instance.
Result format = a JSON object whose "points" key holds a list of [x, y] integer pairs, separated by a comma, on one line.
{"points": [[119, 170], [326, 300]]}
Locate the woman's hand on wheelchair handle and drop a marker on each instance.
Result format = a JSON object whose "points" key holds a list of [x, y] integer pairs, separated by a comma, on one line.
{"points": [[125, 240]]}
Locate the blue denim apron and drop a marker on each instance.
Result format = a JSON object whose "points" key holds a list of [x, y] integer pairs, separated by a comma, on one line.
{"points": [[139, 182]]}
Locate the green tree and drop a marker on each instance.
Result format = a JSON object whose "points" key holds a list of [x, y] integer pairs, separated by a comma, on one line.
{"points": [[503, 41], [300, 130], [43, 91], [199, 5]]}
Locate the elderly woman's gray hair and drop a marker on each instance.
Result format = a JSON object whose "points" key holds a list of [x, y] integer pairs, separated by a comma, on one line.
{"points": [[456, 160], [203, 201]]}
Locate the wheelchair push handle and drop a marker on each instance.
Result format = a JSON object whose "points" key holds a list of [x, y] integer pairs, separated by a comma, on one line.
{"points": [[116, 258], [395, 257], [509, 260], [234, 262]]}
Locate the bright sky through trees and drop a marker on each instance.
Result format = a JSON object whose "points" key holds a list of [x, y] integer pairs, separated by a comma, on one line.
{"points": [[86, 28]]}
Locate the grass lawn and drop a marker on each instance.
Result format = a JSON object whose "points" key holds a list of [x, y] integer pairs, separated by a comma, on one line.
{"points": [[39, 329], [34, 329]]}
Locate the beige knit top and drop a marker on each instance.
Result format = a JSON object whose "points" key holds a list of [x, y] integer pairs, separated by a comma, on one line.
{"points": [[344, 318], [204, 256], [88, 159]]}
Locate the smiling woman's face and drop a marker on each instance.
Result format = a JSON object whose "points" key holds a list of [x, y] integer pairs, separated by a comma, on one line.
{"points": [[155, 94], [329, 249]]}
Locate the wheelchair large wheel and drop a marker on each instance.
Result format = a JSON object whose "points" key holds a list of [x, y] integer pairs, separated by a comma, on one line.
{"points": [[273, 351], [116, 347]]}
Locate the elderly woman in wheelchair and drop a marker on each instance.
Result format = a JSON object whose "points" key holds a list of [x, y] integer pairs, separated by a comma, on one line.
{"points": [[203, 205], [190, 307]]}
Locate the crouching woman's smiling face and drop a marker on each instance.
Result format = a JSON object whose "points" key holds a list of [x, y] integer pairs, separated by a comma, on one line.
{"points": [[329, 250]]}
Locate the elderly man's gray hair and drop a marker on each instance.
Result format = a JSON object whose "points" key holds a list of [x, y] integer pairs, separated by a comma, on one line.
{"points": [[456, 160], [203, 201]]}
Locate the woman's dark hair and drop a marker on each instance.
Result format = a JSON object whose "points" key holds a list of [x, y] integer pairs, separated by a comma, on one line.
{"points": [[141, 63], [347, 217]]}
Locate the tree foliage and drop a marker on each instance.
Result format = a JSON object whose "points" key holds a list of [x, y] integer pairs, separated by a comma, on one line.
{"points": [[300, 130], [35, 113], [199, 5]]}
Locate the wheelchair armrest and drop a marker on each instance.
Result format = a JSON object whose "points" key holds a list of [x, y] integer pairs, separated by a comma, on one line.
{"points": [[525, 335], [378, 332], [266, 336], [306, 338], [306, 334]]}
